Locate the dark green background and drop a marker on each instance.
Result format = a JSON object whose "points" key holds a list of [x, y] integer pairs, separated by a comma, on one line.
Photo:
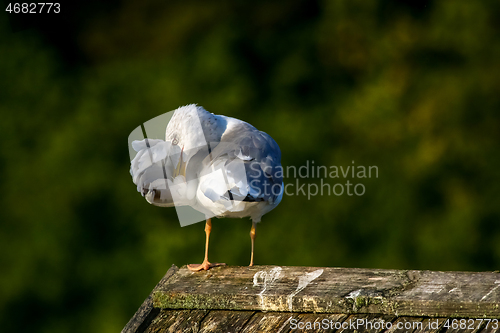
{"points": [[413, 89]]}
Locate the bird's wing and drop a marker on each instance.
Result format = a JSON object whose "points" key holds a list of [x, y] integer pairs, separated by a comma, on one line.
{"points": [[251, 162]]}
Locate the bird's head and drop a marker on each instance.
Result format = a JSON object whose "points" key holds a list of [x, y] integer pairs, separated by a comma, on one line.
{"points": [[190, 130]]}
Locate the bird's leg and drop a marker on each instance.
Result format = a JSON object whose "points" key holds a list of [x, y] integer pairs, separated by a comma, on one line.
{"points": [[252, 236], [206, 265]]}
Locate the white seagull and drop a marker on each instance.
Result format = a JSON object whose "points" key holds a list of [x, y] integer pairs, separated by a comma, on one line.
{"points": [[218, 165]]}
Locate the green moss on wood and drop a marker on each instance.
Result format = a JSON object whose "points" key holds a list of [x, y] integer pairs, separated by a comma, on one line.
{"points": [[194, 301]]}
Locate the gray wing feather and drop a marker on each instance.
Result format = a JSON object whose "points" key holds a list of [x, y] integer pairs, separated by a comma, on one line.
{"points": [[262, 160]]}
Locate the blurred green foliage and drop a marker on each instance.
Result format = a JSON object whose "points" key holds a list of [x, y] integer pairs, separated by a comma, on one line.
{"points": [[412, 89]]}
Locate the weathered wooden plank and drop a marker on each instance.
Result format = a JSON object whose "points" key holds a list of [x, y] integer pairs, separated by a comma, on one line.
{"points": [[225, 321], [146, 313], [167, 319], [177, 321], [192, 323], [455, 294], [334, 290], [269, 322]]}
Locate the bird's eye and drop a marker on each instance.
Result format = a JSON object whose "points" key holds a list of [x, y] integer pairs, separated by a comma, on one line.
{"points": [[175, 141]]}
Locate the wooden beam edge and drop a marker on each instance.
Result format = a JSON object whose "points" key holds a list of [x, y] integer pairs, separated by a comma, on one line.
{"points": [[164, 298], [315, 304]]}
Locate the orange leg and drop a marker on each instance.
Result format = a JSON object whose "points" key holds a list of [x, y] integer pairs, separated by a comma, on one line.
{"points": [[252, 236], [206, 265]]}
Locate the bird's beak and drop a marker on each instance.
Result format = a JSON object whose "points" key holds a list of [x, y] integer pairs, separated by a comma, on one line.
{"points": [[180, 169]]}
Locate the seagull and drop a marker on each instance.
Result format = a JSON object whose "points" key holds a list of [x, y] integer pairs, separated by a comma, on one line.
{"points": [[218, 165]]}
